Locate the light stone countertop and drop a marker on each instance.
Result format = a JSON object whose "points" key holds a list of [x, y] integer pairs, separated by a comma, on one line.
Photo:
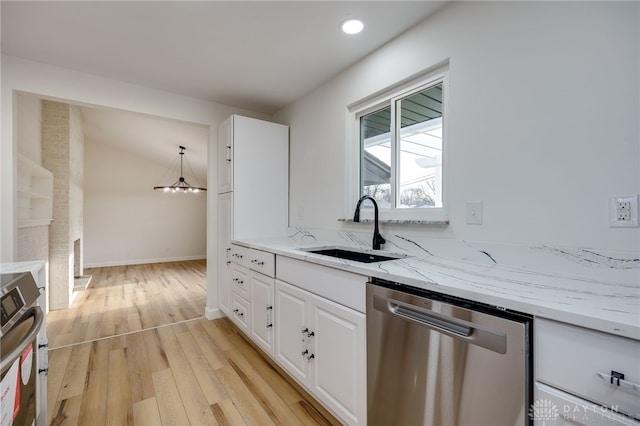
{"points": [[593, 289]]}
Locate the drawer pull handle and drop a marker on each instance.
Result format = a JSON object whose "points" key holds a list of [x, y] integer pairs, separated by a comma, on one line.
{"points": [[616, 376], [617, 379]]}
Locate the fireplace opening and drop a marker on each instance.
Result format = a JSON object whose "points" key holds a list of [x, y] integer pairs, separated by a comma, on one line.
{"points": [[77, 268], [80, 281]]}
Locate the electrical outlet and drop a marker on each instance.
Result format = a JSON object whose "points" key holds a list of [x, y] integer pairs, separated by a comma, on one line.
{"points": [[623, 211]]}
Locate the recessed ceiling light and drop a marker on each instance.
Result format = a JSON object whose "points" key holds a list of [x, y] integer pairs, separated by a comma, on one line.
{"points": [[352, 26]]}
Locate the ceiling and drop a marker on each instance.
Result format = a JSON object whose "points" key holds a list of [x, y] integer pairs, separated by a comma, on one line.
{"points": [[255, 55]]}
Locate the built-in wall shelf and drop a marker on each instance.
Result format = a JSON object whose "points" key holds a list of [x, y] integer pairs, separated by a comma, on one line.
{"points": [[35, 194]]}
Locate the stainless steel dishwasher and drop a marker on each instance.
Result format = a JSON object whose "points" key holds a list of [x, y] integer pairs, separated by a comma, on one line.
{"points": [[438, 360]]}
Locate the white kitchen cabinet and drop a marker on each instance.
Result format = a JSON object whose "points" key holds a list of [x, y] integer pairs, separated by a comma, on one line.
{"points": [[558, 408], [292, 330], [240, 312], [253, 163], [253, 188], [224, 252], [322, 345], [585, 377], [337, 372], [262, 293], [225, 149], [240, 280], [252, 287]]}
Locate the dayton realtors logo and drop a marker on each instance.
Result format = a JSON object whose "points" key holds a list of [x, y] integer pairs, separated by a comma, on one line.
{"points": [[543, 410], [545, 413]]}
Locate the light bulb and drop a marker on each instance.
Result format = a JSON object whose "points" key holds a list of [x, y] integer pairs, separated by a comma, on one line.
{"points": [[352, 26]]}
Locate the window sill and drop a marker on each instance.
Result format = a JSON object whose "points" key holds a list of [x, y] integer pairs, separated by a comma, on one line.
{"points": [[401, 221]]}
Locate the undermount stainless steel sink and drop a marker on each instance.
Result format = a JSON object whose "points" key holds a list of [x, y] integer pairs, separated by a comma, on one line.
{"points": [[347, 253]]}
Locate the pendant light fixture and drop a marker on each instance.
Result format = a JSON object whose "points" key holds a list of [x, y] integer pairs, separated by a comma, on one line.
{"points": [[181, 185]]}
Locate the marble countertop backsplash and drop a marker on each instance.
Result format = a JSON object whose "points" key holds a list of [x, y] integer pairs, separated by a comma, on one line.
{"points": [[590, 288]]}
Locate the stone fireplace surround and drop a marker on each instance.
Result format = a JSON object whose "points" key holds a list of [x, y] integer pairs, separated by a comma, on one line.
{"points": [[62, 154]]}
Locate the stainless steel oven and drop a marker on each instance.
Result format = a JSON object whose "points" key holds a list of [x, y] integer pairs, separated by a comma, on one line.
{"points": [[21, 320], [433, 359]]}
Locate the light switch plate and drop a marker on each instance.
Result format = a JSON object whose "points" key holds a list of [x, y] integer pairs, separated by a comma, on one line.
{"points": [[474, 212], [623, 211]]}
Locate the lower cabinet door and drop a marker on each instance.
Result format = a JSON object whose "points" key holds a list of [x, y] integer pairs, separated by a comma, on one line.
{"points": [[322, 345], [338, 369], [290, 321], [262, 288]]}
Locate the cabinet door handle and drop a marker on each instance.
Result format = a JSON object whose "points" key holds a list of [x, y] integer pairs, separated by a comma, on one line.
{"points": [[269, 307], [618, 380], [310, 357], [228, 250], [269, 325], [228, 147]]}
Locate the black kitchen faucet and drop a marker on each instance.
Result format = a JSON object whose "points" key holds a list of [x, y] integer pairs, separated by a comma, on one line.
{"points": [[377, 238]]}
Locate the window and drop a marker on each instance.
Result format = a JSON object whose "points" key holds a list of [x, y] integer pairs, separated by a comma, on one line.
{"points": [[400, 143]]}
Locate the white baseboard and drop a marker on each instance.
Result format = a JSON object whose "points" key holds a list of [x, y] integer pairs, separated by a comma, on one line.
{"points": [[213, 313], [140, 261]]}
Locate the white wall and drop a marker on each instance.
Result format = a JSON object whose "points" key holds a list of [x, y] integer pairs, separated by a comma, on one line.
{"points": [[126, 222], [543, 121], [28, 129]]}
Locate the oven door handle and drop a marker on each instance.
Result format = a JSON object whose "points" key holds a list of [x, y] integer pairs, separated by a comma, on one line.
{"points": [[36, 312]]}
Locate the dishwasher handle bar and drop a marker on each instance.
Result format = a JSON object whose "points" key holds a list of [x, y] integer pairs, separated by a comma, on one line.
{"points": [[475, 334], [16, 352]]}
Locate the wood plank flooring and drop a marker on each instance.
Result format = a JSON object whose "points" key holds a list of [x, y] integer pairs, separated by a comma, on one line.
{"points": [[124, 299], [162, 368]]}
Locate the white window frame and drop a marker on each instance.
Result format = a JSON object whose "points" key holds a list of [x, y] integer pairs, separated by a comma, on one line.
{"points": [[374, 102]]}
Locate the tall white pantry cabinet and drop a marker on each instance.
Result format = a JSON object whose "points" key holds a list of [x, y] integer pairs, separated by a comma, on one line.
{"points": [[253, 188]]}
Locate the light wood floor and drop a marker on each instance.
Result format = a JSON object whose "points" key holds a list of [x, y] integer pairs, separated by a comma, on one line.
{"points": [[162, 368], [123, 299]]}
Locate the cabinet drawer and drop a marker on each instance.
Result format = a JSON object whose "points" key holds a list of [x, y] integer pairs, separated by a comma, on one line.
{"points": [[256, 260], [342, 287], [262, 261], [240, 280], [240, 255], [240, 312], [559, 408], [581, 361]]}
